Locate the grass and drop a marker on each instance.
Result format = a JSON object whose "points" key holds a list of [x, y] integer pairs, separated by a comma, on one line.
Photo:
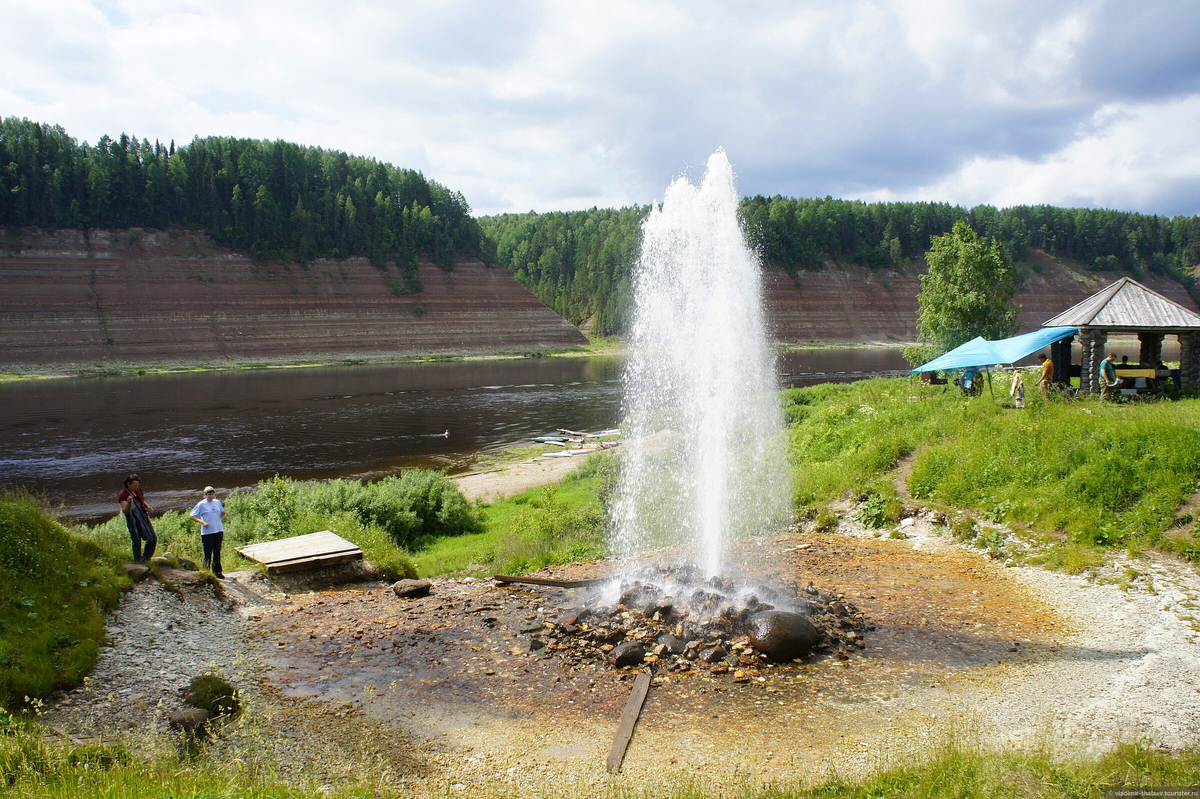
{"points": [[32, 766], [53, 595], [1084, 472], [560, 523]]}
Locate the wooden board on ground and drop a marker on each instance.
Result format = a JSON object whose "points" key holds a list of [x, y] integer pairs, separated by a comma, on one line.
{"points": [[633, 709], [302, 552]]}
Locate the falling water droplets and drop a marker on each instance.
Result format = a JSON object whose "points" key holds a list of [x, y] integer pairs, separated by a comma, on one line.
{"points": [[705, 461]]}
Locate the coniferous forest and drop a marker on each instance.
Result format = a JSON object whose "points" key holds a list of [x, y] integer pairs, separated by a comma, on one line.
{"points": [[283, 201], [578, 262], [275, 199]]}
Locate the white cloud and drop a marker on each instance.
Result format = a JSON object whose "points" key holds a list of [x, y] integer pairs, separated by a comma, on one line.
{"points": [[538, 104], [1126, 157]]}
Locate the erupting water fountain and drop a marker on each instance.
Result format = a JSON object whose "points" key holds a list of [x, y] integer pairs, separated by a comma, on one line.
{"points": [[703, 465], [705, 458]]}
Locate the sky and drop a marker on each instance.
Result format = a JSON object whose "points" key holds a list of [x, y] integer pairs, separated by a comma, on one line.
{"points": [[564, 105]]}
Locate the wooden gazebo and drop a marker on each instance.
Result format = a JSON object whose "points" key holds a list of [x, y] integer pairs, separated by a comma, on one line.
{"points": [[1127, 307]]}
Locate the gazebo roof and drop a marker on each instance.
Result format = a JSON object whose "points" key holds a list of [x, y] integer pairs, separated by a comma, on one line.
{"points": [[1127, 304]]}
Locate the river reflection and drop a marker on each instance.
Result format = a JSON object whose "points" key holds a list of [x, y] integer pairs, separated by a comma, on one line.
{"points": [[73, 440]]}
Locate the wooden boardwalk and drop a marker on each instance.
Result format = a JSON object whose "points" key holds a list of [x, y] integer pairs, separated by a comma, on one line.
{"points": [[302, 552]]}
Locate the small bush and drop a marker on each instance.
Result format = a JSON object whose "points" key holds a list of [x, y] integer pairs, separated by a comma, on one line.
{"points": [[214, 693], [879, 510], [963, 529], [826, 520]]}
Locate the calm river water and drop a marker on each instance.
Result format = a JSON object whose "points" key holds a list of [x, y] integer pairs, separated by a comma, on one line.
{"points": [[73, 441]]}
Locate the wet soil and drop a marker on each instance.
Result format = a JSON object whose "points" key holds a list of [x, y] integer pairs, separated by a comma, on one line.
{"points": [[457, 666]]}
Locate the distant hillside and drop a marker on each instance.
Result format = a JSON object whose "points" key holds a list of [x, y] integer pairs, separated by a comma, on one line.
{"points": [[279, 201], [578, 262], [151, 296]]}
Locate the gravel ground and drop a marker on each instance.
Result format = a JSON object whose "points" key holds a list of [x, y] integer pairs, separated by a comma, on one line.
{"points": [[967, 646], [1130, 671]]}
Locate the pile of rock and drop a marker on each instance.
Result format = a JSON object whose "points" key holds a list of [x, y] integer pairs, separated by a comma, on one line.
{"points": [[712, 626]]}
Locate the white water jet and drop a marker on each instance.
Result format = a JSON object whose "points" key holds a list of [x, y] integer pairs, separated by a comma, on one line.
{"points": [[705, 456]]}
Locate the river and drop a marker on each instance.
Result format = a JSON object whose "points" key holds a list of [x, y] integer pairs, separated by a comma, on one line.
{"points": [[73, 440]]}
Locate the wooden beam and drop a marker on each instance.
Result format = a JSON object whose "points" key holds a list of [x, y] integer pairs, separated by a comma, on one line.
{"points": [[629, 719], [506, 578]]}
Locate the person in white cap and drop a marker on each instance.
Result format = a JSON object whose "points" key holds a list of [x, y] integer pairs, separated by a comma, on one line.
{"points": [[210, 512]]}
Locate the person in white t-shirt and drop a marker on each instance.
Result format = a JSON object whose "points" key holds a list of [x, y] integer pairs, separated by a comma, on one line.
{"points": [[210, 512]]}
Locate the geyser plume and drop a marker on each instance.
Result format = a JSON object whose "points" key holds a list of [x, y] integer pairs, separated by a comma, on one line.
{"points": [[705, 456]]}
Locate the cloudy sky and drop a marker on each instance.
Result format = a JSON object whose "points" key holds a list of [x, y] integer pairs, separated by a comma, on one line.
{"points": [[562, 105]]}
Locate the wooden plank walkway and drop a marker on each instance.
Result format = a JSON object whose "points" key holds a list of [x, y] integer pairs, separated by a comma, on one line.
{"points": [[302, 552]]}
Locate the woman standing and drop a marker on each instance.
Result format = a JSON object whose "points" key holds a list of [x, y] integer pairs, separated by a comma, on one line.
{"points": [[210, 512], [137, 518]]}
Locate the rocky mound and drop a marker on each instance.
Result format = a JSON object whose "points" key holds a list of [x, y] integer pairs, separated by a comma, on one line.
{"points": [[673, 620]]}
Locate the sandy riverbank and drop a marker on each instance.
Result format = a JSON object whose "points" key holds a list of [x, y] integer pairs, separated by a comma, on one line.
{"points": [[513, 478]]}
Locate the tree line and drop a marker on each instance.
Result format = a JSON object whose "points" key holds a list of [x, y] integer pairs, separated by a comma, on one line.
{"points": [[578, 262], [276, 199]]}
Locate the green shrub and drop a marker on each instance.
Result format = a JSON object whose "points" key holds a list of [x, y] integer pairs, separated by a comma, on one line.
{"points": [[383, 518], [54, 589], [873, 512], [214, 693], [826, 520]]}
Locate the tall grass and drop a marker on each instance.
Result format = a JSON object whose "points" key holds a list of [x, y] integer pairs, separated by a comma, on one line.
{"points": [[383, 518], [556, 524], [54, 588], [1103, 474]]}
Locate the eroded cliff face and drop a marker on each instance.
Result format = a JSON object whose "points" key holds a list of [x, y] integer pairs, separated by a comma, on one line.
{"points": [[150, 296], [856, 304]]}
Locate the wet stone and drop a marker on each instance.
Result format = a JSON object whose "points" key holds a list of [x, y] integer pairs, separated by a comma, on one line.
{"points": [[782, 635], [411, 589], [629, 653], [671, 644]]}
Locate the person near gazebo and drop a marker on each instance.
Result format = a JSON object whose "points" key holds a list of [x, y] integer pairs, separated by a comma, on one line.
{"points": [[1108, 377]]}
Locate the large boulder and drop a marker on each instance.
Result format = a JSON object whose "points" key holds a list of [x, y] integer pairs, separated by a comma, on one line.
{"points": [[781, 635]]}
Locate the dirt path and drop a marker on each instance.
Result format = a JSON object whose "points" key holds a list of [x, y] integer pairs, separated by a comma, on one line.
{"points": [[904, 471]]}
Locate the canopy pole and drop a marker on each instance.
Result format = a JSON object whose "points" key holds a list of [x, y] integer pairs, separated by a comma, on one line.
{"points": [[988, 371]]}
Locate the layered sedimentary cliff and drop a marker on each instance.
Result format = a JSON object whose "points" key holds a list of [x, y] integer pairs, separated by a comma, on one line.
{"points": [[849, 303], [149, 295], [142, 296]]}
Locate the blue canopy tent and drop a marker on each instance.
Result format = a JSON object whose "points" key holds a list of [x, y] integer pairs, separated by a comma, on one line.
{"points": [[983, 353]]}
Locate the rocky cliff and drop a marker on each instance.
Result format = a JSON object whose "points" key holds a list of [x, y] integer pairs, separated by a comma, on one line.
{"points": [[856, 304], [151, 296], [142, 296]]}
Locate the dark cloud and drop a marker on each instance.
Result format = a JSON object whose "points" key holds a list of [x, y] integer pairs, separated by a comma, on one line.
{"points": [[1142, 51]]}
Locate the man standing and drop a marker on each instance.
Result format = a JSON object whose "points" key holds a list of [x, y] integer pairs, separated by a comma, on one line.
{"points": [[209, 512], [1047, 377], [1108, 376]]}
